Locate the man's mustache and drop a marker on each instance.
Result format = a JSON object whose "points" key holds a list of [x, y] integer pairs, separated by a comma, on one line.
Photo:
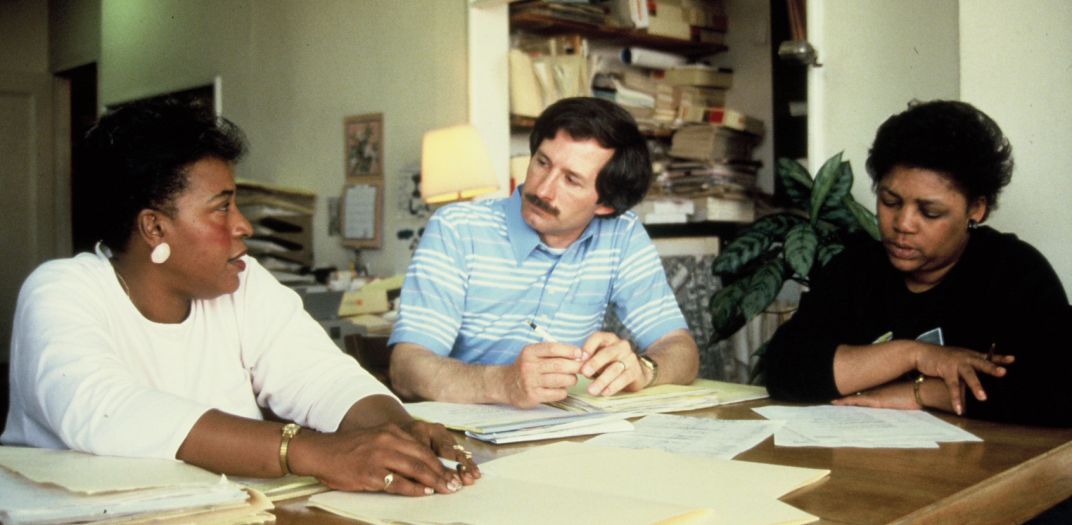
{"points": [[541, 204]]}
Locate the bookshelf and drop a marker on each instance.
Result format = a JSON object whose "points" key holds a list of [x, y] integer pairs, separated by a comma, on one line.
{"points": [[546, 25], [660, 134]]}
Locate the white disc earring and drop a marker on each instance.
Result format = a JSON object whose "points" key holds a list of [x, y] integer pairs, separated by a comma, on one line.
{"points": [[160, 253]]}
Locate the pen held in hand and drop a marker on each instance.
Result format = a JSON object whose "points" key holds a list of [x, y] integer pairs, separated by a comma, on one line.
{"points": [[990, 353], [541, 332]]}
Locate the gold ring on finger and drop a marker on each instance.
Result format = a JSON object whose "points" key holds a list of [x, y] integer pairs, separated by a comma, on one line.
{"points": [[388, 480]]}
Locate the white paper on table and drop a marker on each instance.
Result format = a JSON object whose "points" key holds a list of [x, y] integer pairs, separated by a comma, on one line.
{"points": [[461, 416], [846, 426], [695, 436], [614, 423]]}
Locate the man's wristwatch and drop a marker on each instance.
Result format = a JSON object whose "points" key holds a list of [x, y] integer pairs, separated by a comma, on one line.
{"points": [[650, 364]]}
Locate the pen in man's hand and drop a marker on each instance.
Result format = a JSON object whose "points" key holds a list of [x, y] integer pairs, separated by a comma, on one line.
{"points": [[990, 353], [541, 332]]}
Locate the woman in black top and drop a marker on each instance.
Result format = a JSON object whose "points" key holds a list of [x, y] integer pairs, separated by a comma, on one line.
{"points": [[942, 304]]}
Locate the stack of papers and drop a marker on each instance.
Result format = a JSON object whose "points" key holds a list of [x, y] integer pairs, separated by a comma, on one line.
{"points": [[284, 488], [569, 482], [861, 427], [501, 424], [696, 436], [39, 486], [702, 393]]}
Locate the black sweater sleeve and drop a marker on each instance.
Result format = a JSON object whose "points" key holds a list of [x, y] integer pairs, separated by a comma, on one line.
{"points": [[800, 356]]}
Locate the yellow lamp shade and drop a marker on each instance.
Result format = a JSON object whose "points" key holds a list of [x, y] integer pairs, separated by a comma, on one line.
{"points": [[455, 165]]}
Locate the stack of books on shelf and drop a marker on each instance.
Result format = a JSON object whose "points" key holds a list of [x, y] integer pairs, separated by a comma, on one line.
{"points": [[581, 11], [544, 69]]}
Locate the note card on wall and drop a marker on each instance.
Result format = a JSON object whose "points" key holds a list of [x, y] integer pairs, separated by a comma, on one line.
{"points": [[362, 214]]}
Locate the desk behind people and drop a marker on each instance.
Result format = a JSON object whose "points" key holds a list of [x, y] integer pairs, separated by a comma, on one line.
{"points": [[1015, 473]]}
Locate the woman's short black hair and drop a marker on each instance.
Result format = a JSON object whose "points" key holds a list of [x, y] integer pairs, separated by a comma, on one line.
{"points": [[626, 177], [949, 137], [140, 154]]}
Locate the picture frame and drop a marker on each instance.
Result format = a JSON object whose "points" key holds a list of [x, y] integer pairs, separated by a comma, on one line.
{"points": [[363, 140]]}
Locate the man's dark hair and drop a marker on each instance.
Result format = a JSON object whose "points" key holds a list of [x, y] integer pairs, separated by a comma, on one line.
{"points": [[141, 153], [626, 177], [949, 137]]}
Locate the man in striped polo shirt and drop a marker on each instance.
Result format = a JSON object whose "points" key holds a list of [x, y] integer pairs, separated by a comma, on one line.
{"points": [[554, 256]]}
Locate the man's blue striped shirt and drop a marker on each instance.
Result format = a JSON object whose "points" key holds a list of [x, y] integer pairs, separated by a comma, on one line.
{"points": [[481, 273]]}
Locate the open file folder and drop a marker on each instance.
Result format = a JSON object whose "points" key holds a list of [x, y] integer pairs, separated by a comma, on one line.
{"points": [[570, 482]]}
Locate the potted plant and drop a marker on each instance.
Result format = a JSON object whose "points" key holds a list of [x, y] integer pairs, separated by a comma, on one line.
{"points": [[794, 243]]}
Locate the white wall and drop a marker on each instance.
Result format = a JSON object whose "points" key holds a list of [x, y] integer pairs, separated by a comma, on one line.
{"points": [[877, 55], [291, 72], [1016, 65]]}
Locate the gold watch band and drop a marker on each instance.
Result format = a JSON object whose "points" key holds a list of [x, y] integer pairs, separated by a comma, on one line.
{"points": [[650, 364], [289, 431]]}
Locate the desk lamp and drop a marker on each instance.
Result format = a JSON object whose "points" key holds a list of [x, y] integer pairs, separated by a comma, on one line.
{"points": [[455, 165]]}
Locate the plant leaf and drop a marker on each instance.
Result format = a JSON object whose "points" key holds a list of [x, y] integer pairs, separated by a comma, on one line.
{"points": [[824, 181], [841, 186], [796, 181], [864, 217], [762, 288], [839, 216], [741, 251], [776, 225], [725, 308], [800, 245], [827, 252]]}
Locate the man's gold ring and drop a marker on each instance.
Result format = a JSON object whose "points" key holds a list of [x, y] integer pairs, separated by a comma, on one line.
{"points": [[388, 480]]}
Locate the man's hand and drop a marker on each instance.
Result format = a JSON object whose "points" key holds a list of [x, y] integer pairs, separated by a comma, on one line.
{"points": [[953, 364], [542, 373], [612, 365]]}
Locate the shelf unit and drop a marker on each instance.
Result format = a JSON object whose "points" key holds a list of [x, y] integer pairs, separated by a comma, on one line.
{"points": [[543, 25]]}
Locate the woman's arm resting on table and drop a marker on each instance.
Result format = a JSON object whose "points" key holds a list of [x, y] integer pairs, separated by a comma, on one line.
{"points": [[858, 368], [376, 438]]}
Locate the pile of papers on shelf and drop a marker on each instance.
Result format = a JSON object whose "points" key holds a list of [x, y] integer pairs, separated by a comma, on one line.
{"points": [[43, 486], [571, 482], [702, 393], [501, 424]]}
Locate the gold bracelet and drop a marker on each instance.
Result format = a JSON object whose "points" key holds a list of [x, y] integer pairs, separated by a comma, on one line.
{"points": [[289, 431], [915, 389]]}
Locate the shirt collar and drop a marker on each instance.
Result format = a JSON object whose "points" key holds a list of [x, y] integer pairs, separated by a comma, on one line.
{"points": [[524, 239]]}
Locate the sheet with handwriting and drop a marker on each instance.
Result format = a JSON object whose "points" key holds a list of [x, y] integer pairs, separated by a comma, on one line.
{"points": [[697, 436], [861, 427]]}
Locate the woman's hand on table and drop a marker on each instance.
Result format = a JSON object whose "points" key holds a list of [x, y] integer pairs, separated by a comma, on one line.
{"points": [[440, 440], [384, 458], [954, 364]]}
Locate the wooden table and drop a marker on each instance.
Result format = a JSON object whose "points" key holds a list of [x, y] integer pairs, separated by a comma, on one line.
{"points": [[1014, 474]]}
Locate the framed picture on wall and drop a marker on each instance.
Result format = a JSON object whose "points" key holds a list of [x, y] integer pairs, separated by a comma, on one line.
{"points": [[363, 137]]}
